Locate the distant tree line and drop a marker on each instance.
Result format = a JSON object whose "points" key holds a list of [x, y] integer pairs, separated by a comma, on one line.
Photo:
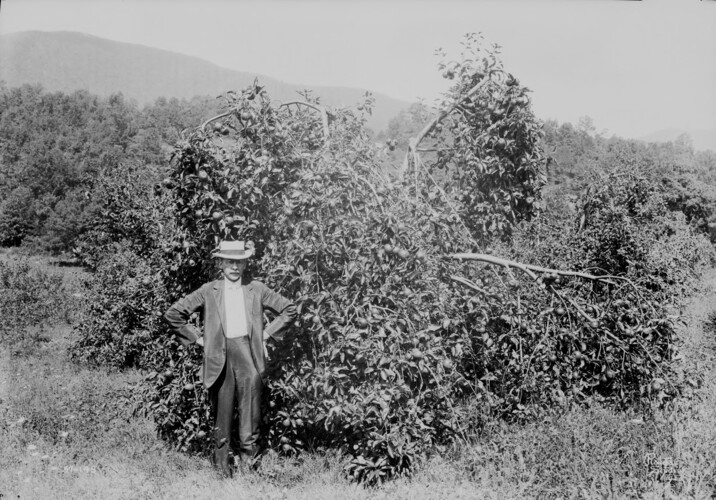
{"points": [[579, 158], [54, 146]]}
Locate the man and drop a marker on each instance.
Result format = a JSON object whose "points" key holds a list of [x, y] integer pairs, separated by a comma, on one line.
{"points": [[233, 341]]}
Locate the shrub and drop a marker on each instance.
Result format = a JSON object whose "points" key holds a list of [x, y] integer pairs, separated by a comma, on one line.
{"points": [[125, 249]]}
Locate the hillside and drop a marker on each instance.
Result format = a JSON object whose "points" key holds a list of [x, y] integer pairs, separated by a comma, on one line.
{"points": [[67, 61]]}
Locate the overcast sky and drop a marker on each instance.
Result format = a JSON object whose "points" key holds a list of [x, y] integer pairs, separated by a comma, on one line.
{"points": [[634, 67]]}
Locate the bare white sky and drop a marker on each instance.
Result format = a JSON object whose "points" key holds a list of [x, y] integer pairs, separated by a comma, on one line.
{"points": [[634, 67]]}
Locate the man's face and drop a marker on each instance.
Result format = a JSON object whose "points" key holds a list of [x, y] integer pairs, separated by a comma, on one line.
{"points": [[232, 269]]}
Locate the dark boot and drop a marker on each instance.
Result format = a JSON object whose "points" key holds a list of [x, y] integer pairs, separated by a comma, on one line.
{"points": [[246, 463], [225, 472], [220, 459]]}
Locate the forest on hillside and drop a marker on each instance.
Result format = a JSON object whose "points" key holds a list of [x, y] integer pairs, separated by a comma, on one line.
{"points": [[54, 147]]}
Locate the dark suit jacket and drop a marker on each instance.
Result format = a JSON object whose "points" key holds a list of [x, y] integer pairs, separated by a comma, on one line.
{"points": [[210, 297]]}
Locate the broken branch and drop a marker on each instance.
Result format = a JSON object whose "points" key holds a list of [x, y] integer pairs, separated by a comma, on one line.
{"points": [[413, 143], [531, 269]]}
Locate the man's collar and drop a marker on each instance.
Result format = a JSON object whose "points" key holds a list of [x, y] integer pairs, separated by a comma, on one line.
{"points": [[232, 285], [248, 283]]}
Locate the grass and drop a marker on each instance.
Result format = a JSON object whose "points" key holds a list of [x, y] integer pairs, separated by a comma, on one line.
{"points": [[68, 432]]}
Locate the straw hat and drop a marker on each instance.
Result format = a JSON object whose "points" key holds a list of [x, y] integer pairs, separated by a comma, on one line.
{"points": [[233, 250]]}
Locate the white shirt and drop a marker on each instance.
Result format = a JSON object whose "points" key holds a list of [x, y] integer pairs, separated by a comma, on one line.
{"points": [[235, 310]]}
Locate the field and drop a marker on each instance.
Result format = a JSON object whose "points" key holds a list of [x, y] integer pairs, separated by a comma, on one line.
{"points": [[68, 431]]}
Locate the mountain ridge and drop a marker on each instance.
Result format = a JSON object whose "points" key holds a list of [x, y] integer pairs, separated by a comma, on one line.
{"points": [[68, 61]]}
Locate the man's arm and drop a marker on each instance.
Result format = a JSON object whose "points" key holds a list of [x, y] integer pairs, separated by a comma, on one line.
{"points": [[284, 308], [179, 313]]}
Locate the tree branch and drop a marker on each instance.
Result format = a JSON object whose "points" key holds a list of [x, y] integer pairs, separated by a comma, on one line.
{"points": [[320, 109], [413, 143], [375, 193], [530, 269], [472, 285], [222, 115]]}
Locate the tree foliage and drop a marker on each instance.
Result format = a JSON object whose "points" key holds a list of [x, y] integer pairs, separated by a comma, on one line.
{"points": [[402, 340], [16, 216], [54, 147], [492, 145], [579, 156]]}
